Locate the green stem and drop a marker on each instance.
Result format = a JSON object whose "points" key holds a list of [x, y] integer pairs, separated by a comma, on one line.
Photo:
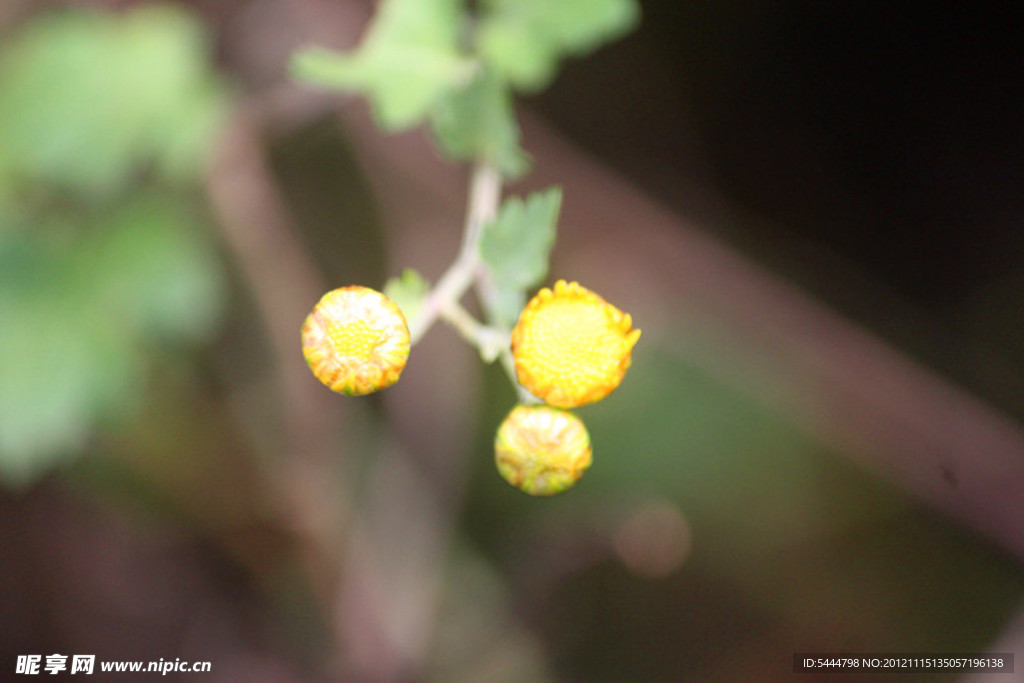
{"points": [[484, 195], [493, 341], [488, 340], [507, 362]]}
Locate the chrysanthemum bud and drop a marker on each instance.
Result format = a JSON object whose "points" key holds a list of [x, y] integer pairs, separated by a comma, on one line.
{"points": [[572, 347], [356, 341], [542, 450]]}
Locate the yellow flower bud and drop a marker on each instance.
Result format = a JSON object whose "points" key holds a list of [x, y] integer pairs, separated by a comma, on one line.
{"points": [[356, 341], [572, 347], [542, 450]]}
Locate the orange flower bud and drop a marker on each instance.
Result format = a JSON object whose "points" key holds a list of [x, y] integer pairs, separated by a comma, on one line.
{"points": [[356, 341]]}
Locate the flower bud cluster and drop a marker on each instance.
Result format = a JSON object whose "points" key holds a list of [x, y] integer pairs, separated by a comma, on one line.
{"points": [[571, 348]]}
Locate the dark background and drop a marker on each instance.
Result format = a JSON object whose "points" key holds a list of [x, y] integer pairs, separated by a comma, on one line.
{"points": [[871, 152]]}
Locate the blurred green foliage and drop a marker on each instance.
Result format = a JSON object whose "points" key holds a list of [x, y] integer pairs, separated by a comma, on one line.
{"points": [[524, 40], [408, 291], [408, 61], [420, 63], [105, 120], [478, 122]]}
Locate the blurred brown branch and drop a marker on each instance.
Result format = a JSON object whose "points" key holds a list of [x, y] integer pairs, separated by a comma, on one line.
{"points": [[283, 283], [375, 576]]}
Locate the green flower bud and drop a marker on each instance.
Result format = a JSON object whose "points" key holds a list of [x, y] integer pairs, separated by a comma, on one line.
{"points": [[542, 450]]}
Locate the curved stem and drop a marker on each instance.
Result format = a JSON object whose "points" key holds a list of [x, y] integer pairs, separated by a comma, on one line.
{"points": [[484, 195], [493, 341]]}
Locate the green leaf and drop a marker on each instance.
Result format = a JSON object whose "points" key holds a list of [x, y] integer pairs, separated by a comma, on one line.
{"points": [[87, 97], [64, 362], [409, 60], [515, 246], [154, 271], [178, 99], [78, 315], [479, 122], [503, 302], [87, 101], [523, 40], [408, 291]]}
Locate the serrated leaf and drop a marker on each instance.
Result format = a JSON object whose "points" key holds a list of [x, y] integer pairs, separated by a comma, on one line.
{"points": [[408, 291], [408, 61], [515, 246], [525, 58], [479, 123], [503, 302], [523, 40]]}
